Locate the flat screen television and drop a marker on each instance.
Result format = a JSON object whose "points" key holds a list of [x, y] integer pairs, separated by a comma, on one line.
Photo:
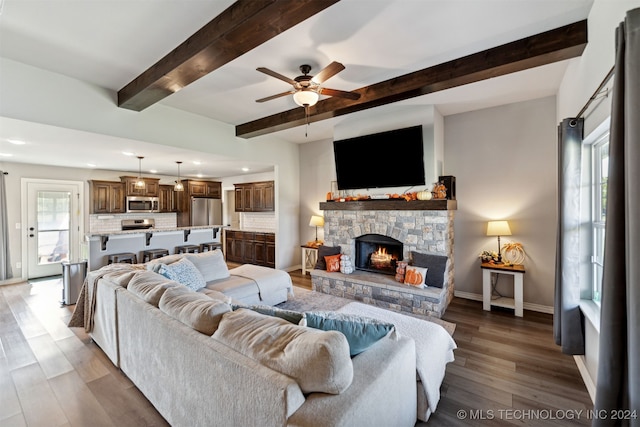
{"points": [[386, 159]]}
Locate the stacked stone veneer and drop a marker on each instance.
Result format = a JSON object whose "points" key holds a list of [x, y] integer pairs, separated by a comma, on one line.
{"points": [[421, 231]]}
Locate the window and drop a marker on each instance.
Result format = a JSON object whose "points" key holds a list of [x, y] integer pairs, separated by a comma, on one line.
{"points": [[599, 179]]}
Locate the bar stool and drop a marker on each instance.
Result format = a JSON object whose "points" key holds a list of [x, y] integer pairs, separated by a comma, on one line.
{"points": [[150, 254], [128, 257], [187, 249], [211, 246]]}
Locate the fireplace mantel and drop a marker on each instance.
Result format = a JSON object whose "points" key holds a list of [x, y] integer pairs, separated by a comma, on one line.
{"points": [[391, 205]]}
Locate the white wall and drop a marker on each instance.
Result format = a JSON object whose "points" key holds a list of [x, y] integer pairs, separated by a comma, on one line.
{"points": [[504, 161], [36, 95]]}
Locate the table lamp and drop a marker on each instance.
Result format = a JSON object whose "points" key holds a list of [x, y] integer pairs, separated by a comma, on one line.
{"points": [[498, 228], [316, 221]]}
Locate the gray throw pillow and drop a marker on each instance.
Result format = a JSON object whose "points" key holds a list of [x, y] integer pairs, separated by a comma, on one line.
{"points": [[436, 264], [324, 251]]}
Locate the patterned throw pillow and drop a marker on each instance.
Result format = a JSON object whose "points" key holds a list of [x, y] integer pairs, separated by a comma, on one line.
{"points": [[333, 262], [184, 272], [361, 332], [415, 276], [323, 251]]}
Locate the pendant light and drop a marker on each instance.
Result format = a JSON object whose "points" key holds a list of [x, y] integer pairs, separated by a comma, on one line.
{"points": [[140, 182], [178, 186]]}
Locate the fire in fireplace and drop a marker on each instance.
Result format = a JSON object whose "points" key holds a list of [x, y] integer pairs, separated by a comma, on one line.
{"points": [[377, 253]]}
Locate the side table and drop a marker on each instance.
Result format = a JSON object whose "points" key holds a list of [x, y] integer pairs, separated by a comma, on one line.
{"points": [[309, 258], [517, 271]]}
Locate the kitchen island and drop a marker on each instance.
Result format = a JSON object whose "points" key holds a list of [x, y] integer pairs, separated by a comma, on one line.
{"points": [[103, 244]]}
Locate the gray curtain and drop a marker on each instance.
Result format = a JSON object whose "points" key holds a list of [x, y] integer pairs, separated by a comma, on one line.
{"points": [[618, 386], [5, 261], [567, 317]]}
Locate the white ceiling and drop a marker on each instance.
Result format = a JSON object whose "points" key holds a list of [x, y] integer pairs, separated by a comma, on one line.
{"points": [[110, 42]]}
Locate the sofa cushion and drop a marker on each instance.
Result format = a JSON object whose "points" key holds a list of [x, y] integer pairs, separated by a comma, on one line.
{"points": [[317, 360], [185, 272], [324, 251], [155, 264], [216, 295], [150, 286], [211, 265], [436, 264], [194, 309], [361, 332]]}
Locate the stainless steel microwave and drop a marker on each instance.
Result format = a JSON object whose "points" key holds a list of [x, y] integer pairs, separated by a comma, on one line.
{"points": [[143, 204]]}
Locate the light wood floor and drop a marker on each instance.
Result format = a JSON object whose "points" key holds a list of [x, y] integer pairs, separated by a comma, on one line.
{"points": [[51, 375]]}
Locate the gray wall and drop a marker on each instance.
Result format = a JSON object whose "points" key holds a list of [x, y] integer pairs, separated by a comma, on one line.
{"points": [[504, 161]]}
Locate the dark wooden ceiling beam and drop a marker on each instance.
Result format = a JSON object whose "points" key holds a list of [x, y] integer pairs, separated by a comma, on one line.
{"points": [[534, 51], [243, 26]]}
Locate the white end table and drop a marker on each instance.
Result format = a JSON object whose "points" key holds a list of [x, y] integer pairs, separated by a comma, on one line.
{"points": [[309, 258], [517, 271]]}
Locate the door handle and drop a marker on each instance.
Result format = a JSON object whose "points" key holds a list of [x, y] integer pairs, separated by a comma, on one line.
{"points": [[31, 235], [31, 228]]}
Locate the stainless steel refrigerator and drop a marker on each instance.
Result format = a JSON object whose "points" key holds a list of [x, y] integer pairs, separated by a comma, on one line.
{"points": [[206, 211]]}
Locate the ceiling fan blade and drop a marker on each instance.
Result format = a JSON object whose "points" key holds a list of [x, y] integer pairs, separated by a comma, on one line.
{"points": [[276, 75], [269, 98], [339, 93], [327, 72]]}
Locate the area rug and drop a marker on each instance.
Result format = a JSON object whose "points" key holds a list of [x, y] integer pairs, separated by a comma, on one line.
{"points": [[306, 300]]}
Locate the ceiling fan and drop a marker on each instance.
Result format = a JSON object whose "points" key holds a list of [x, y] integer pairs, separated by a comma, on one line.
{"points": [[306, 89]]}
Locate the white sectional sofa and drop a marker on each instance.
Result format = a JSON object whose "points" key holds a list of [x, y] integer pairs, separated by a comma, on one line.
{"points": [[182, 349]]}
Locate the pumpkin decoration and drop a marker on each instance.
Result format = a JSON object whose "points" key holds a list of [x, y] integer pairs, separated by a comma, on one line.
{"points": [[513, 253], [424, 195], [415, 276]]}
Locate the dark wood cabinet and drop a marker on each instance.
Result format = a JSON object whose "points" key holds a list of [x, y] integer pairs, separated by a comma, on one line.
{"points": [[151, 186], [107, 197], [255, 197], [168, 198], [251, 248]]}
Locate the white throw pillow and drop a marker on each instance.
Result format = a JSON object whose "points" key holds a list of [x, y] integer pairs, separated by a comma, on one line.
{"points": [[211, 265]]}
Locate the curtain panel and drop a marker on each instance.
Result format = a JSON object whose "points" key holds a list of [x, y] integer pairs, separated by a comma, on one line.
{"points": [[618, 386], [568, 319], [5, 260]]}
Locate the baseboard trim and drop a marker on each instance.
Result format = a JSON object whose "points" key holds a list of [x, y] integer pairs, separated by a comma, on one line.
{"points": [[586, 378], [527, 305]]}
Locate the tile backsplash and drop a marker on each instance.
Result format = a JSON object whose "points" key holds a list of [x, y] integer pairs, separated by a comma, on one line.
{"points": [[102, 223], [258, 220]]}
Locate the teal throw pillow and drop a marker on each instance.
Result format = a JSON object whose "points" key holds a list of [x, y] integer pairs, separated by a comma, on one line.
{"points": [[184, 272], [361, 332]]}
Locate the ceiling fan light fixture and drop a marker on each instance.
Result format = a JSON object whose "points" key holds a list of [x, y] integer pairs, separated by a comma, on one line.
{"points": [[306, 98]]}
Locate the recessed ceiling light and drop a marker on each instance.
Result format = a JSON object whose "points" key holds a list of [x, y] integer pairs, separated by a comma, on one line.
{"points": [[127, 153], [199, 175], [245, 169], [153, 171], [16, 141], [197, 162], [5, 155], [91, 165]]}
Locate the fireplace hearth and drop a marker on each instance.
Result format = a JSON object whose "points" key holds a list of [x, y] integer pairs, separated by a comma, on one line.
{"points": [[377, 253]]}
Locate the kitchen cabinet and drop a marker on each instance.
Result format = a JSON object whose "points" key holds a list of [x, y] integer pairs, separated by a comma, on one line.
{"points": [[151, 186], [203, 188], [168, 198], [107, 197], [251, 248], [255, 197]]}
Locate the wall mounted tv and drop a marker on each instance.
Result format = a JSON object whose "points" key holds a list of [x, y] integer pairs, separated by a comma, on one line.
{"points": [[387, 159]]}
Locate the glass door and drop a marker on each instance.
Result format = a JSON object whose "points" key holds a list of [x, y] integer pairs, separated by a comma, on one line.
{"points": [[53, 227]]}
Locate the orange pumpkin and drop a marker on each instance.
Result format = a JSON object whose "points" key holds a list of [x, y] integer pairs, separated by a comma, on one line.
{"points": [[413, 278]]}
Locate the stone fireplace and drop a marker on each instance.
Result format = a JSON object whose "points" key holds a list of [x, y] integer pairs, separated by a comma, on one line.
{"points": [[401, 227]]}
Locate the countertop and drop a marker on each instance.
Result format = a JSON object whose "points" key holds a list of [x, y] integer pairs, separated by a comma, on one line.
{"points": [[151, 230], [250, 230]]}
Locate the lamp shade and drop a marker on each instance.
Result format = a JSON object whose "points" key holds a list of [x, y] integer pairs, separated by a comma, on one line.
{"points": [[316, 221], [498, 228], [305, 98]]}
